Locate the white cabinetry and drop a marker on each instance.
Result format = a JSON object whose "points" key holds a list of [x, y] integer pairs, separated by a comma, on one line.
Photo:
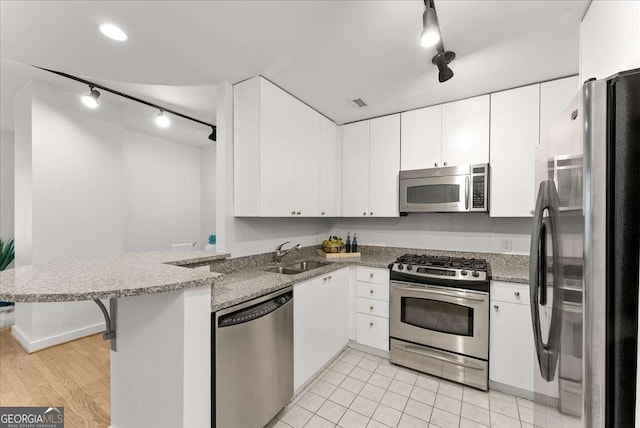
{"points": [[370, 167], [276, 153], [514, 138], [511, 348], [465, 131], [554, 97], [330, 168], [421, 138], [372, 318], [320, 323]]}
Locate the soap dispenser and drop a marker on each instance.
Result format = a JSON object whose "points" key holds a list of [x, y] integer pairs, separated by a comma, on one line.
{"points": [[348, 244], [354, 244]]}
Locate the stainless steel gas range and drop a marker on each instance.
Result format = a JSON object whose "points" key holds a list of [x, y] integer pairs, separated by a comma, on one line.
{"points": [[439, 317]]}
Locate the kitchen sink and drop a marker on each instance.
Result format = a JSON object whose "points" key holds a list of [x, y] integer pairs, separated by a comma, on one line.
{"points": [[296, 268]]}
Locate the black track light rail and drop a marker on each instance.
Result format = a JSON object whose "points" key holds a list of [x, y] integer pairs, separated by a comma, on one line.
{"points": [[132, 98]]}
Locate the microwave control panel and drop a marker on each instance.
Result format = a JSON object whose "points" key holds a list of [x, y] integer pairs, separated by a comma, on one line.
{"points": [[479, 188]]}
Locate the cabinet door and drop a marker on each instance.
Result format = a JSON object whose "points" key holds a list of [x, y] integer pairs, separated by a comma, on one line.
{"points": [[278, 128], [554, 97], [465, 131], [384, 166], [514, 138], [305, 132], [336, 318], [421, 138], [511, 350], [329, 168], [308, 327], [355, 169]]}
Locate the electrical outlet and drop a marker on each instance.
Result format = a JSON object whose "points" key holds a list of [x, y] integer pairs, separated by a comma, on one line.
{"points": [[506, 244]]}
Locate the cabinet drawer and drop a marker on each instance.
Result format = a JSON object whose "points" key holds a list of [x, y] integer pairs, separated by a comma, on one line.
{"points": [[373, 291], [375, 275], [378, 308], [510, 292], [373, 331]]}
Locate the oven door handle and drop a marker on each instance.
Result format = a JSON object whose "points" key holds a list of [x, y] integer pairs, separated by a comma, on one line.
{"points": [[424, 353], [443, 293], [466, 193]]}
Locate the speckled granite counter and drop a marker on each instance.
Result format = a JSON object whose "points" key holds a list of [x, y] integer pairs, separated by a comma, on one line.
{"points": [[105, 277], [246, 277]]}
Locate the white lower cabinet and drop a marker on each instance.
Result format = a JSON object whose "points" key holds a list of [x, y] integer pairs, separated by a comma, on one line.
{"points": [[511, 349], [372, 306], [320, 323]]}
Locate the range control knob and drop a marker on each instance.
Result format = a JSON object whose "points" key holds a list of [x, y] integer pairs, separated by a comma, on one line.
{"points": [[464, 272], [409, 267], [400, 267], [475, 274]]}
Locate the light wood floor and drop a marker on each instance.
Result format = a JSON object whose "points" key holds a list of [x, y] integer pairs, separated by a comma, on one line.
{"points": [[74, 375]]}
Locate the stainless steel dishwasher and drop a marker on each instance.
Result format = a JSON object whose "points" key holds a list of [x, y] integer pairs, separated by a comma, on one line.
{"points": [[253, 361]]}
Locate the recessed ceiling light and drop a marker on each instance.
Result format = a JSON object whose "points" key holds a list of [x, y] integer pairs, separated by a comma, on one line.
{"points": [[91, 99], [113, 32], [162, 121]]}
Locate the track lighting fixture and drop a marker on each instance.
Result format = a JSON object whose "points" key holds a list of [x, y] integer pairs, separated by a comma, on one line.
{"points": [[213, 134], [91, 99], [162, 121], [441, 60], [430, 29]]}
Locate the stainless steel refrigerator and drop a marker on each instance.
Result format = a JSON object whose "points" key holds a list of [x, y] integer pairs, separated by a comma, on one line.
{"points": [[585, 259]]}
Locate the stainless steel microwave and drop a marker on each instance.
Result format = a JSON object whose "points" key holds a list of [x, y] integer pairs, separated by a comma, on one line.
{"points": [[463, 188]]}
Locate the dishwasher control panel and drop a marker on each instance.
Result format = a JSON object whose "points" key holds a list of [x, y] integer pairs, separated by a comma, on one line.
{"points": [[254, 312]]}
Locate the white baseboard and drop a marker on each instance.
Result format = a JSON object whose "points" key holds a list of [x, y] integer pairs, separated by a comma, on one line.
{"points": [[37, 345]]}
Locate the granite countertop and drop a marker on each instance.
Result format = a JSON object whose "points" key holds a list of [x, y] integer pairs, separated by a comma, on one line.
{"points": [[246, 277], [104, 277]]}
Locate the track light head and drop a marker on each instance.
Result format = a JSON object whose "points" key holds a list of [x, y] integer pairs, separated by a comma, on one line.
{"points": [[213, 134], [430, 30], [162, 121], [441, 60], [91, 99]]}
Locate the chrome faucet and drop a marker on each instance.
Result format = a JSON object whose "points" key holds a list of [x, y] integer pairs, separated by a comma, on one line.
{"points": [[280, 252]]}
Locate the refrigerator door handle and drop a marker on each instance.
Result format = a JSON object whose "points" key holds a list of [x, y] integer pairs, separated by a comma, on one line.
{"points": [[547, 353]]}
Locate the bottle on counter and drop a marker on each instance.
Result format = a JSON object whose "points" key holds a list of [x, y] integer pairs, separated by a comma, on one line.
{"points": [[354, 244], [211, 246], [348, 244]]}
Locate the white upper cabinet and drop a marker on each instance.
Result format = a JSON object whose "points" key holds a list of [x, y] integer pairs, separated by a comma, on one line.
{"points": [[465, 131], [370, 167], [514, 137], [384, 166], [330, 168], [276, 153], [421, 138], [355, 169], [554, 97]]}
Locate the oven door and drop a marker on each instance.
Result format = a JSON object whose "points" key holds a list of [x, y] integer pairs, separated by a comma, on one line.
{"points": [[453, 320], [435, 194]]}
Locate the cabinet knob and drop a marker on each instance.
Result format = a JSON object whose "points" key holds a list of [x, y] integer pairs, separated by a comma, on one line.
{"points": [[532, 212], [371, 275], [370, 291], [364, 213], [298, 213], [370, 324], [371, 213], [496, 307], [445, 164], [324, 279], [293, 213], [329, 276], [516, 293], [370, 308], [322, 213], [435, 164]]}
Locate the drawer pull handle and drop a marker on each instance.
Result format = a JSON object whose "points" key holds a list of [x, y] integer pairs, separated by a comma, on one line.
{"points": [[496, 307], [370, 324], [370, 291], [371, 275], [370, 308], [516, 293], [329, 276]]}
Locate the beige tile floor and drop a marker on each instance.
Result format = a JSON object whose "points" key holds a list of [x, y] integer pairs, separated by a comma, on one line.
{"points": [[360, 390]]}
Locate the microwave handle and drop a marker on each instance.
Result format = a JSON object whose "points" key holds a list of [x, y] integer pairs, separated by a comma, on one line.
{"points": [[466, 193]]}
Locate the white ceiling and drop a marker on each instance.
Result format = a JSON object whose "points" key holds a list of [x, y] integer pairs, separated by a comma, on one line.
{"points": [[324, 52]]}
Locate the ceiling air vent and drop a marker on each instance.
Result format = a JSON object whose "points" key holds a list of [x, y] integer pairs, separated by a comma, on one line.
{"points": [[359, 103]]}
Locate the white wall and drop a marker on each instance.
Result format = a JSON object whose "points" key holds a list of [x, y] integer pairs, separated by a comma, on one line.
{"points": [[6, 186], [609, 38], [162, 193], [207, 194], [455, 232]]}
